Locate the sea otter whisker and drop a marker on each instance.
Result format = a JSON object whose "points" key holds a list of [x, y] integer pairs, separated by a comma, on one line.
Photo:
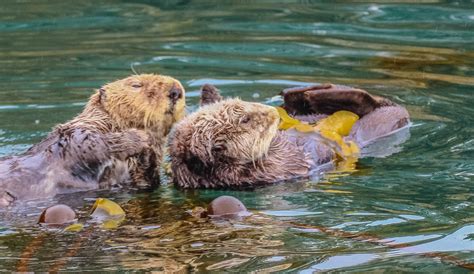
{"points": [[132, 68], [147, 118], [253, 155]]}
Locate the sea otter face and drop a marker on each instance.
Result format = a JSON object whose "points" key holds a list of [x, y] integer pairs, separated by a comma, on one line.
{"points": [[241, 131], [144, 101]]}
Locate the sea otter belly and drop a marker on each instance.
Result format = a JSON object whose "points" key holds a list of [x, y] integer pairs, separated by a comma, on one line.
{"points": [[39, 176], [67, 160]]}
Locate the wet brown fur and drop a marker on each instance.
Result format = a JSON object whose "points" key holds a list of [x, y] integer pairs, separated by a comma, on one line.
{"points": [[116, 140]]}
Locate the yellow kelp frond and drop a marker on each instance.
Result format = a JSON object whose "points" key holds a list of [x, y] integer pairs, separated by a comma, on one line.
{"points": [[286, 122], [340, 122], [333, 128], [345, 148], [107, 207], [107, 212], [74, 227], [337, 125]]}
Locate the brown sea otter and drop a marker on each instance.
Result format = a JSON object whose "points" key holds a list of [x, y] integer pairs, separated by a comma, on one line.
{"points": [[232, 143], [116, 140]]}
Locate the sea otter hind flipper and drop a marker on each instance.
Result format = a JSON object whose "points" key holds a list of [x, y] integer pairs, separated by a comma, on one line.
{"points": [[329, 98], [209, 95]]}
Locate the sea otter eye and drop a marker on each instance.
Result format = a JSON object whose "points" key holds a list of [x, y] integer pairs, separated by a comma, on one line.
{"points": [[137, 85], [217, 148], [245, 119]]}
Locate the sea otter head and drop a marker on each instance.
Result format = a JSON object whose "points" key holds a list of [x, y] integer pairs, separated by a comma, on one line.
{"points": [[143, 101], [228, 132]]}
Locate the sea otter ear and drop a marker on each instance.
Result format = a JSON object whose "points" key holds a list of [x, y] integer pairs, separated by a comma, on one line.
{"points": [[102, 95], [209, 95]]}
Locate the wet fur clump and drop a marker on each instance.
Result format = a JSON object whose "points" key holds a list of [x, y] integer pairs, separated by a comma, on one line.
{"points": [[117, 140]]}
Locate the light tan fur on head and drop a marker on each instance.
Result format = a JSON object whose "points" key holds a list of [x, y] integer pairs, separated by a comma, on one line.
{"points": [[232, 128], [143, 101]]}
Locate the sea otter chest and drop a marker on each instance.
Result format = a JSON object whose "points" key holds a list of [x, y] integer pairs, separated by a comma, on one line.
{"points": [[315, 148], [40, 175]]}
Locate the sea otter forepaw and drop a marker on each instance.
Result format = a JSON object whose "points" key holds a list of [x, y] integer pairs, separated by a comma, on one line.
{"points": [[140, 141], [130, 143], [140, 136]]}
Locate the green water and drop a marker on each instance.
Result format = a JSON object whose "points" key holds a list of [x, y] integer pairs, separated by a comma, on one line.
{"points": [[54, 53]]}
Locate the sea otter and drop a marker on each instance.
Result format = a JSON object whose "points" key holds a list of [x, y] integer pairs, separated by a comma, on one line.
{"points": [[232, 143], [116, 140]]}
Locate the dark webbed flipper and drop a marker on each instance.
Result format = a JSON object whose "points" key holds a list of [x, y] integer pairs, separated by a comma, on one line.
{"points": [[209, 95], [329, 98]]}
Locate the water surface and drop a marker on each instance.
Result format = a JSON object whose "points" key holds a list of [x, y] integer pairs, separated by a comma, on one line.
{"points": [[420, 54]]}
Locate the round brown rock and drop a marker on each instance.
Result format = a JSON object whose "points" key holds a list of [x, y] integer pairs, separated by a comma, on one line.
{"points": [[226, 205], [57, 215]]}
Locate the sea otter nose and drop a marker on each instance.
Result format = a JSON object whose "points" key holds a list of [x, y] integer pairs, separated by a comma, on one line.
{"points": [[175, 94]]}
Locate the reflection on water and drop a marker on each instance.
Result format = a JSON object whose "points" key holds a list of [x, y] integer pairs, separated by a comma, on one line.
{"points": [[410, 211]]}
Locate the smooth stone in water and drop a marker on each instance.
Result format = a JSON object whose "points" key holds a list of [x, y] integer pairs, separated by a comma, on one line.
{"points": [[226, 205], [57, 215]]}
